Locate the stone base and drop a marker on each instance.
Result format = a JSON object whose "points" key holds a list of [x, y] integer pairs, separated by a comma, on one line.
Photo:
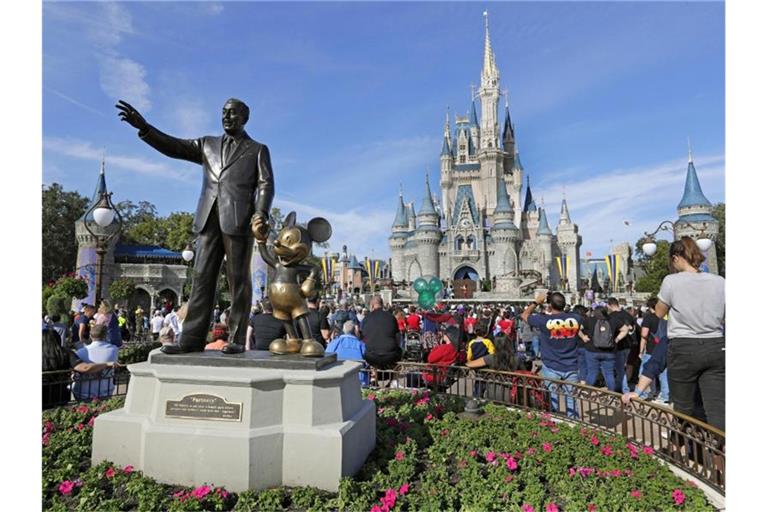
{"points": [[296, 427]]}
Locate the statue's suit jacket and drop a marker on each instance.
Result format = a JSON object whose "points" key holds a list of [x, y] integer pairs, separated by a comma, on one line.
{"points": [[242, 186]]}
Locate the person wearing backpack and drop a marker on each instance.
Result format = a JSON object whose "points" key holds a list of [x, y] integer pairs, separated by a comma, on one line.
{"points": [[600, 348]]}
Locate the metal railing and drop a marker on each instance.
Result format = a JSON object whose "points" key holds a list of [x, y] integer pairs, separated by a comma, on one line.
{"points": [[66, 387], [685, 442]]}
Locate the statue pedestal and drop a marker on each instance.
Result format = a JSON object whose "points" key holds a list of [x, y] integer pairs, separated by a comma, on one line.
{"points": [[245, 421]]}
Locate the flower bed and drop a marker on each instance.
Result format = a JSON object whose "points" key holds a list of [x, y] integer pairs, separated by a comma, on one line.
{"points": [[426, 458]]}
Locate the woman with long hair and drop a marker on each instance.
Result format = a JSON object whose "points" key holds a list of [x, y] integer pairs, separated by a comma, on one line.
{"points": [[695, 301], [107, 317]]}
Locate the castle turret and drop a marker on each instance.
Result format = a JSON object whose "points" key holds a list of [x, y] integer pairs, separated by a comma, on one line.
{"points": [[695, 214], [489, 93], [544, 238], [569, 246], [397, 240], [428, 235]]}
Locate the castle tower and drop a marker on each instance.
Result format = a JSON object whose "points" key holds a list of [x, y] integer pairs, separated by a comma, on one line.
{"points": [[397, 240], [569, 245], [695, 214], [544, 239], [529, 217], [428, 235], [505, 233], [446, 168], [86, 249], [489, 153]]}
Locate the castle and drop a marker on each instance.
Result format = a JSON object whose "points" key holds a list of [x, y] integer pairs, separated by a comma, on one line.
{"points": [[480, 228]]}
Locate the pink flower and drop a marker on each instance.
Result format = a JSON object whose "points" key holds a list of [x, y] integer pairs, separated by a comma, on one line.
{"points": [[531, 451], [473, 453], [79, 427], [404, 488], [607, 450], [82, 409], [490, 456], [428, 417], [128, 469], [508, 478], [371, 396], [595, 441], [110, 472], [389, 499], [530, 416], [48, 427], [511, 464], [648, 450], [90, 421], [179, 494], [201, 492], [636, 494], [591, 507], [571, 472], [66, 487], [376, 508], [546, 447], [527, 508], [46, 439], [678, 496], [399, 455], [380, 410], [616, 473], [221, 492], [444, 432], [551, 507]]}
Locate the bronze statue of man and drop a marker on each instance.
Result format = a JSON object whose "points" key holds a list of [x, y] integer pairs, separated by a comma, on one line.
{"points": [[238, 188]]}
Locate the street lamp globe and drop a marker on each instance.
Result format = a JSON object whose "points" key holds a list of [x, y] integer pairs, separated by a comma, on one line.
{"points": [[103, 215], [704, 244], [649, 248], [187, 254]]}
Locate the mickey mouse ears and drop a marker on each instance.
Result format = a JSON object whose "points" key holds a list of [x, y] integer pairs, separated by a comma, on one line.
{"points": [[319, 229]]}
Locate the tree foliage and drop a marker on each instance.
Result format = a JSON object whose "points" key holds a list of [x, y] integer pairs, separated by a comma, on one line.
{"points": [[719, 213], [60, 211], [143, 226], [655, 267], [120, 290]]}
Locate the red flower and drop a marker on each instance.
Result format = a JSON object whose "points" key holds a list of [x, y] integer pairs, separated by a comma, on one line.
{"points": [[221, 492], [399, 455], [591, 507], [110, 472], [90, 421], [128, 469], [428, 417], [82, 409], [66, 487], [201, 492], [404, 488], [678, 496], [371, 396], [595, 441], [444, 432], [473, 453], [79, 426], [546, 447], [607, 450], [648, 450], [46, 439], [636, 494]]}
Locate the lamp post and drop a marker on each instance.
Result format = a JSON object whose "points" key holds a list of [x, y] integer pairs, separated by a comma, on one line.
{"points": [[188, 254], [100, 223], [703, 242]]}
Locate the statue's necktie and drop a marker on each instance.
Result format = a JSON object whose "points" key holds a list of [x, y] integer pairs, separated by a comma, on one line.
{"points": [[229, 144]]}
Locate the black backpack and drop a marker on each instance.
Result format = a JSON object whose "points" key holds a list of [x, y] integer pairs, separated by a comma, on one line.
{"points": [[603, 336]]}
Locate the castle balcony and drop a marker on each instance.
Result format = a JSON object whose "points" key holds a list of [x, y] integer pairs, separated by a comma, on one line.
{"points": [[465, 255]]}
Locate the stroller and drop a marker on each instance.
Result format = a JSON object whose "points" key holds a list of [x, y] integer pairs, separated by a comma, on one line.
{"points": [[414, 349]]}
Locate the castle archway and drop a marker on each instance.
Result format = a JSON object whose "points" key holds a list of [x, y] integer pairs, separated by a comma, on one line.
{"points": [[414, 271], [466, 272]]}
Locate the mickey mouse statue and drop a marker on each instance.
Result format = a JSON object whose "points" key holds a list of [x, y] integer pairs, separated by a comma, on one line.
{"points": [[288, 297]]}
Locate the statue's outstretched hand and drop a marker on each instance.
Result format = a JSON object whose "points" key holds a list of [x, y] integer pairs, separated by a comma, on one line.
{"points": [[260, 228], [131, 116]]}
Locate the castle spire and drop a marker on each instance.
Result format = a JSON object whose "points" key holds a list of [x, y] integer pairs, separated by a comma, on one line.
{"points": [[489, 61], [427, 206], [529, 205], [565, 216], [692, 194], [543, 223], [401, 216], [502, 198]]}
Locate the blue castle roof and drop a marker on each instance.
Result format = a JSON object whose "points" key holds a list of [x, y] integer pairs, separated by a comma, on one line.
{"points": [[401, 217], [502, 198], [692, 194], [529, 205], [446, 147], [427, 206], [543, 223], [473, 115], [462, 193]]}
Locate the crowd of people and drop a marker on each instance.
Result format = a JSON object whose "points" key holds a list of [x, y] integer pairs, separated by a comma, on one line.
{"points": [[671, 350]]}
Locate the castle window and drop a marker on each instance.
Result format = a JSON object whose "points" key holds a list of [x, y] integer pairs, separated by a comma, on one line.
{"points": [[462, 147], [459, 242], [462, 159]]}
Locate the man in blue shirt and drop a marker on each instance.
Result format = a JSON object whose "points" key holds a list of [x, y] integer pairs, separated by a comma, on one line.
{"points": [[349, 347], [559, 337]]}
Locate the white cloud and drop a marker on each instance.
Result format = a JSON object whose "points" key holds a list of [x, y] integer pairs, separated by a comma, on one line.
{"points": [[123, 78], [85, 150], [190, 118], [644, 196], [214, 8], [110, 24]]}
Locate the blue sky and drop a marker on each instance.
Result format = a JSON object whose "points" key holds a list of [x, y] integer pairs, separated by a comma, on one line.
{"points": [[351, 98]]}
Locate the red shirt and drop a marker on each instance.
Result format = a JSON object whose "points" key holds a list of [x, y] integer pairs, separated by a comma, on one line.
{"points": [[505, 324], [442, 355], [401, 324], [414, 322], [469, 324]]}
